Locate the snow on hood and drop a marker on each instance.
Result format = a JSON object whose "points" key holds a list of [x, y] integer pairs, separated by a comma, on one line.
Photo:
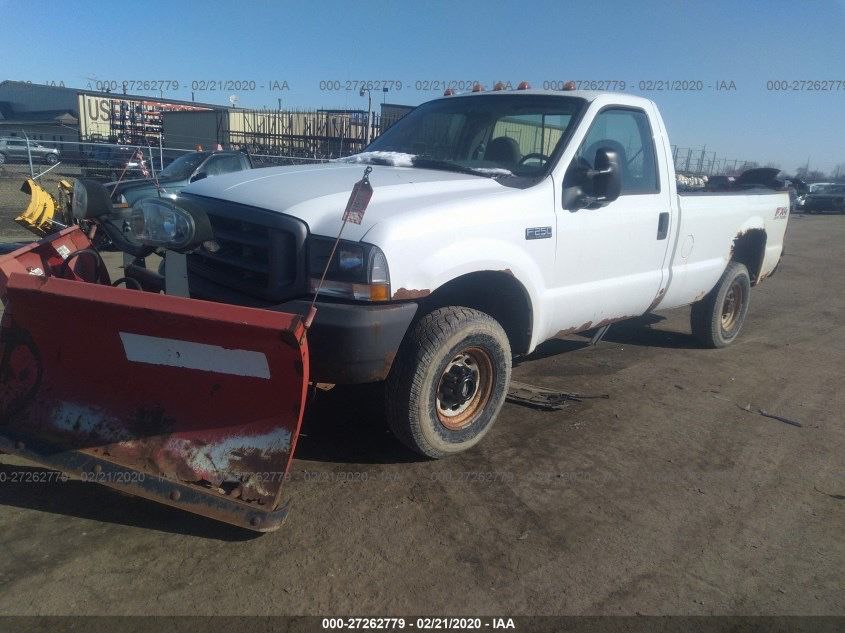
{"points": [[401, 159], [493, 171], [394, 159]]}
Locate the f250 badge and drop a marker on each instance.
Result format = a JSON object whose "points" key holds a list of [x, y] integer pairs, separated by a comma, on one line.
{"points": [[538, 233]]}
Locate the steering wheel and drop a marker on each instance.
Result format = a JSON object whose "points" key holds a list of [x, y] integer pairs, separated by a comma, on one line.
{"points": [[542, 157]]}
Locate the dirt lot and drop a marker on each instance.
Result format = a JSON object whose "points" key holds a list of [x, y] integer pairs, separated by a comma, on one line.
{"points": [[665, 498]]}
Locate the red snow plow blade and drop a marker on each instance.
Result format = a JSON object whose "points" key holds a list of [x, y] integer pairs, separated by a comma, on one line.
{"points": [[189, 403]]}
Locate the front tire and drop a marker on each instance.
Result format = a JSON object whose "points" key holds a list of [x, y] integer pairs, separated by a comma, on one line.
{"points": [[51, 159], [717, 319], [448, 381]]}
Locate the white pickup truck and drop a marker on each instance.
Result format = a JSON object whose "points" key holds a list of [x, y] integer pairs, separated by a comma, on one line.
{"points": [[498, 220]]}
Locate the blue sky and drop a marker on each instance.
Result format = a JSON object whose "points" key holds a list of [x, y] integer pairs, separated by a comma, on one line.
{"points": [[303, 43]]}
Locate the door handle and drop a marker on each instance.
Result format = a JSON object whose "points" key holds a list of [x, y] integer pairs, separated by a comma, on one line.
{"points": [[663, 225]]}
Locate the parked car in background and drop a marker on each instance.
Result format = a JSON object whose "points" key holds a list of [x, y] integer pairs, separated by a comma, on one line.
{"points": [[14, 150], [818, 186], [178, 174], [829, 197], [110, 162]]}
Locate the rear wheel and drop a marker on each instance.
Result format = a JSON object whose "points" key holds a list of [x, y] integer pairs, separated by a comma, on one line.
{"points": [[448, 382], [51, 159], [717, 319]]}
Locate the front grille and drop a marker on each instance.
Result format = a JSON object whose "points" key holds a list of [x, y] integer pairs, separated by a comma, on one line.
{"points": [[261, 252]]}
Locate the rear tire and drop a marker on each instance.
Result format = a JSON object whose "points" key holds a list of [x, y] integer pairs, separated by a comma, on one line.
{"points": [[51, 159], [717, 319], [448, 381]]}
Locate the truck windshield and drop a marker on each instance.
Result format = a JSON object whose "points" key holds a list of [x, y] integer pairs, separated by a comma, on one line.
{"points": [[183, 167], [498, 135]]}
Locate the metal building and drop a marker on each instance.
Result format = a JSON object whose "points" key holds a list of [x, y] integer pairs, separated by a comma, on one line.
{"points": [[62, 114]]}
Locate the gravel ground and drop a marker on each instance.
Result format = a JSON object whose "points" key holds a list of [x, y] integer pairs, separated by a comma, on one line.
{"points": [[665, 498]]}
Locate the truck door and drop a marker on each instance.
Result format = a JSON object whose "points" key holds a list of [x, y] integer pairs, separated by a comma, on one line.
{"points": [[610, 259]]}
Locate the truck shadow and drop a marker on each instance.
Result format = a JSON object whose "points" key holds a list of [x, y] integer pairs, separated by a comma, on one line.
{"points": [[346, 424], [639, 331], [24, 488], [636, 331]]}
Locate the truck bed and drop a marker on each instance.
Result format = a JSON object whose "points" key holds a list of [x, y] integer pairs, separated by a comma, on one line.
{"points": [[712, 225]]}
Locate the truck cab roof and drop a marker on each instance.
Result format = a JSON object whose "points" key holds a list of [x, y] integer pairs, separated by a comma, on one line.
{"points": [[622, 98]]}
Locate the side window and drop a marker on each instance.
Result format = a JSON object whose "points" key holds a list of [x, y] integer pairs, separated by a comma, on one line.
{"points": [[217, 165], [629, 134]]}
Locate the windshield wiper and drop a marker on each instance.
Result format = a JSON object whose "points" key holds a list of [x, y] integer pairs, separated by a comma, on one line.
{"points": [[435, 163]]}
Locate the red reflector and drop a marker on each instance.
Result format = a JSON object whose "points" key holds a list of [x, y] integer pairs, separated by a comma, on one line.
{"points": [[523, 85], [477, 88], [499, 86], [569, 85]]}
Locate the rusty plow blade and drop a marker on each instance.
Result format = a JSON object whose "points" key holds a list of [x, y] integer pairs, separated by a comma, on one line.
{"points": [[189, 403]]}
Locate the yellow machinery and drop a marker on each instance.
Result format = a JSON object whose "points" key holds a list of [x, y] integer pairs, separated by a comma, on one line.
{"points": [[44, 214]]}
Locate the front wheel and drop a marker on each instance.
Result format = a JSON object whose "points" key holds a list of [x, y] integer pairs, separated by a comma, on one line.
{"points": [[717, 319], [448, 381], [51, 159]]}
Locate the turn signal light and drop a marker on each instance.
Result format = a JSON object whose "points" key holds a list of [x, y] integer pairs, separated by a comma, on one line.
{"points": [[569, 85], [448, 92], [499, 86], [477, 88], [523, 85]]}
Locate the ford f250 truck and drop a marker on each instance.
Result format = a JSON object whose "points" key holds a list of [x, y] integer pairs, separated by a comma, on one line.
{"points": [[498, 220]]}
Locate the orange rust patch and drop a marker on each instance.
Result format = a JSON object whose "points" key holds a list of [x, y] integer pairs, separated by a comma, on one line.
{"points": [[656, 301], [406, 293], [573, 330]]}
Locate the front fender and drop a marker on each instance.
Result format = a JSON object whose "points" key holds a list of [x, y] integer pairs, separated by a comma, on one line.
{"points": [[415, 279]]}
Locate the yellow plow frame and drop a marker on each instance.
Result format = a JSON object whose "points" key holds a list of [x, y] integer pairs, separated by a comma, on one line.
{"points": [[44, 214]]}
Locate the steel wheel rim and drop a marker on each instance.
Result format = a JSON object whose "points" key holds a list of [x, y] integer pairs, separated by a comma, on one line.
{"points": [[480, 367], [732, 306]]}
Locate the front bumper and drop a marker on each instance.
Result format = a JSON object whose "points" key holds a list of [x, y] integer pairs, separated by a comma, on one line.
{"points": [[352, 343], [348, 343]]}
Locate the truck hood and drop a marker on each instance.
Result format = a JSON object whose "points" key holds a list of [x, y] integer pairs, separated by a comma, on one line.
{"points": [[317, 194], [141, 184]]}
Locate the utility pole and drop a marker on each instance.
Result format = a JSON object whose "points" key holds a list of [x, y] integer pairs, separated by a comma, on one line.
{"points": [[29, 155], [369, 111]]}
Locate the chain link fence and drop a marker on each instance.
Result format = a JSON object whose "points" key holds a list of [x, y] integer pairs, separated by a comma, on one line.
{"points": [[701, 162]]}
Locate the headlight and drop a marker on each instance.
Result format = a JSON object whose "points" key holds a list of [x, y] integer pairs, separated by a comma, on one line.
{"points": [[159, 222], [356, 270]]}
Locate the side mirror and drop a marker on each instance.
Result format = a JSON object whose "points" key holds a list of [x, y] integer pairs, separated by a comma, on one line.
{"points": [[90, 200], [607, 176], [604, 183], [199, 176]]}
